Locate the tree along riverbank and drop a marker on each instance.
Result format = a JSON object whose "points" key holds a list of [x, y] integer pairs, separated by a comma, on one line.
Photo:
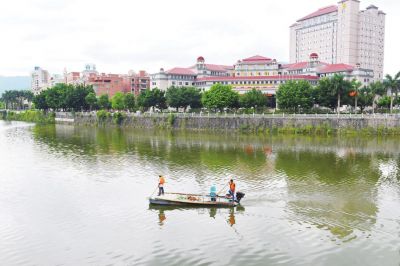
{"points": [[311, 124]]}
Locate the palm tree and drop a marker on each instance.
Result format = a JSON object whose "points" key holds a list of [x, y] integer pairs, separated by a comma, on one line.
{"points": [[392, 84], [355, 85], [339, 86], [378, 90]]}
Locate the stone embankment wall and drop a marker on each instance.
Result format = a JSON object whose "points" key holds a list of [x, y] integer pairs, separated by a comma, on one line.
{"points": [[240, 122]]}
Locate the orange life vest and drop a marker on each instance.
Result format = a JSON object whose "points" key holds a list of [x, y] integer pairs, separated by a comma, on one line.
{"points": [[232, 186], [162, 181]]}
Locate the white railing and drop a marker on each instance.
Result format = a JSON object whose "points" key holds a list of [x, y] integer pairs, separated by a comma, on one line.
{"points": [[234, 115]]}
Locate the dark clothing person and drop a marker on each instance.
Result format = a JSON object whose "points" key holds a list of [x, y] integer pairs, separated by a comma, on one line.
{"points": [[232, 188]]}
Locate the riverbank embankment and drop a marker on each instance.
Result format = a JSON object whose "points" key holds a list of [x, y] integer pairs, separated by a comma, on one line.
{"points": [[379, 124]]}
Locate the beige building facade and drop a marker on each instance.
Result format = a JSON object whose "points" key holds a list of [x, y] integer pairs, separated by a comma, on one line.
{"points": [[341, 33], [40, 80]]}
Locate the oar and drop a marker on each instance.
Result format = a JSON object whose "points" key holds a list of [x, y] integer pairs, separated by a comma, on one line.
{"points": [[154, 191], [222, 189]]}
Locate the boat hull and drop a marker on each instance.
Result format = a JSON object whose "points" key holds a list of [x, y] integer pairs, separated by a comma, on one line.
{"points": [[191, 200]]}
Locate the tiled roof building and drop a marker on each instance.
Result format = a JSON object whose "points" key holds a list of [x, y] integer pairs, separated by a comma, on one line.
{"points": [[341, 34]]}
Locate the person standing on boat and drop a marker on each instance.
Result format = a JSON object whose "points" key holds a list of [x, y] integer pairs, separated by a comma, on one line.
{"points": [[232, 188], [213, 193], [161, 182]]}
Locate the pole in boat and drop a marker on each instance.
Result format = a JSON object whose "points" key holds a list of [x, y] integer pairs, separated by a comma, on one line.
{"points": [[222, 188], [154, 191]]}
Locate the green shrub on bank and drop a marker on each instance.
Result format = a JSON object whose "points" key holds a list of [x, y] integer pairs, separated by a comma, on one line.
{"points": [[171, 119], [118, 118], [102, 116], [35, 116]]}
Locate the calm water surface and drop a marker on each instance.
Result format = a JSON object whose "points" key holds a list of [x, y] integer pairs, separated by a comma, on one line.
{"points": [[78, 196]]}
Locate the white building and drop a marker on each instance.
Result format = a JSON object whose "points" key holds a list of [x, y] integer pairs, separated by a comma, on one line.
{"points": [[40, 80], [315, 67], [180, 76], [341, 34]]}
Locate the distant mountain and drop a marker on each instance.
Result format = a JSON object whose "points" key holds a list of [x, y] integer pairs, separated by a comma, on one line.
{"points": [[14, 83]]}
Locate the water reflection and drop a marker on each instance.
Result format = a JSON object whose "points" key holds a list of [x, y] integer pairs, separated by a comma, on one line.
{"points": [[227, 213], [309, 200], [337, 193]]}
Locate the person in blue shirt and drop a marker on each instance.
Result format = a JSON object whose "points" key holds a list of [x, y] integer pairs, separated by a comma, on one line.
{"points": [[213, 193]]}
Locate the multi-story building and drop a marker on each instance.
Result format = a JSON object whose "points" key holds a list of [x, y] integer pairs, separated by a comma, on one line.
{"points": [[180, 76], [108, 84], [40, 80], [113, 83], [256, 66], [315, 67], [341, 34], [257, 72], [139, 82], [56, 79]]}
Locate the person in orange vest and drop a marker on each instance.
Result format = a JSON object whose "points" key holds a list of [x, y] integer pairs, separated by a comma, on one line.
{"points": [[232, 188], [161, 182]]}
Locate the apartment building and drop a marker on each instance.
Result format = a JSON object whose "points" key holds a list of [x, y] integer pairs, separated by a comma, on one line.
{"points": [[341, 34], [40, 80]]}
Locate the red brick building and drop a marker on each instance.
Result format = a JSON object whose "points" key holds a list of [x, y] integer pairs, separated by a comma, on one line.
{"points": [[113, 83]]}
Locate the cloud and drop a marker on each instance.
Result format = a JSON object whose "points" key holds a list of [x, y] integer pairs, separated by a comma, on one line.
{"points": [[122, 34]]}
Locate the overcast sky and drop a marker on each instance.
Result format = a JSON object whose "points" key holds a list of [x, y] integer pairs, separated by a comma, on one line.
{"points": [[121, 35]]}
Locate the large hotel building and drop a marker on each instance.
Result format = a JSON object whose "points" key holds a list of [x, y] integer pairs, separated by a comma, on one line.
{"points": [[341, 34]]}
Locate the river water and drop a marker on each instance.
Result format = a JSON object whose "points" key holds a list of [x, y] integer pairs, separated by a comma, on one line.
{"points": [[78, 196]]}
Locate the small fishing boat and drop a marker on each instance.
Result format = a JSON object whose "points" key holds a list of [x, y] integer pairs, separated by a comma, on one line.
{"points": [[183, 199]]}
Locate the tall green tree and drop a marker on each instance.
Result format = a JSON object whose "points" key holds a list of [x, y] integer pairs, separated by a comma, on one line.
{"points": [[330, 91], [365, 97], [56, 96], [254, 98], [183, 97], [384, 101], [378, 90], [340, 86], [220, 96], [392, 85], [129, 101], [104, 102], [40, 101], [355, 87], [15, 99], [91, 100], [295, 94], [118, 101], [152, 98]]}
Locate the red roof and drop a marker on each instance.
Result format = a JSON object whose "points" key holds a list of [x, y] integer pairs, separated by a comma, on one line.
{"points": [[320, 12], [220, 68], [286, 77], [301, 65], [336, 68], [180, 71], [256, 58]]}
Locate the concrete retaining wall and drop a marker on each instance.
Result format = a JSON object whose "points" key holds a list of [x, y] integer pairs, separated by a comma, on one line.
{"points": [[233, 123]]}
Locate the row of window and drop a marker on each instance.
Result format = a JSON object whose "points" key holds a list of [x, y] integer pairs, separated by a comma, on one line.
{"points": [[182, 77], [180, 83]]}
